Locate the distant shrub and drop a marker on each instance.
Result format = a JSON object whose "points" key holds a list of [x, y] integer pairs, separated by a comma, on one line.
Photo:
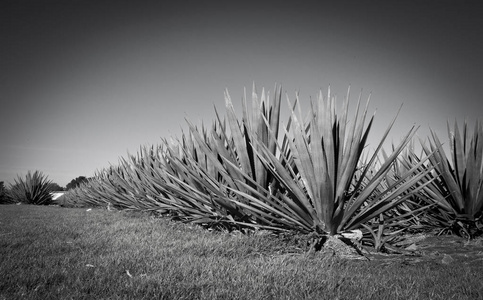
{"points": [[76, 182], [34, 189]]}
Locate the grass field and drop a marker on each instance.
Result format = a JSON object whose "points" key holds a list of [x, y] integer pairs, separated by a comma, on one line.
{"points": [[49, 252]]}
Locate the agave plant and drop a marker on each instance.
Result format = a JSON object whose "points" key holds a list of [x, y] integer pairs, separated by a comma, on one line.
{"points": [[457, 188], [318, 190], [34, 189]]}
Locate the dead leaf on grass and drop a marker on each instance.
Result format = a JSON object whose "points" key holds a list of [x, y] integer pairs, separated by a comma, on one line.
{"points": [[447, 259]]}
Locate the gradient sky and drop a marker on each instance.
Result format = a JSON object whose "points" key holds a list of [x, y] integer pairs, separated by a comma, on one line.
{"points": [[84, 82]]}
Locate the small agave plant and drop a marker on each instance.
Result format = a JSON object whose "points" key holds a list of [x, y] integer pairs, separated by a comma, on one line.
{"points": [[4, 197], [34, 189]]}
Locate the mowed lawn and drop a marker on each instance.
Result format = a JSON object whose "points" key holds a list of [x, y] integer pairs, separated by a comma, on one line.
{"points": [[49, 252]]}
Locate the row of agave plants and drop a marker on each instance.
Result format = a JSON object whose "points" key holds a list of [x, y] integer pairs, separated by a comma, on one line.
{"points": [[310, 175]]}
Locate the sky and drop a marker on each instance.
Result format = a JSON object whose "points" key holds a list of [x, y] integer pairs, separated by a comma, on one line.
{"points": [[83, 83]]}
